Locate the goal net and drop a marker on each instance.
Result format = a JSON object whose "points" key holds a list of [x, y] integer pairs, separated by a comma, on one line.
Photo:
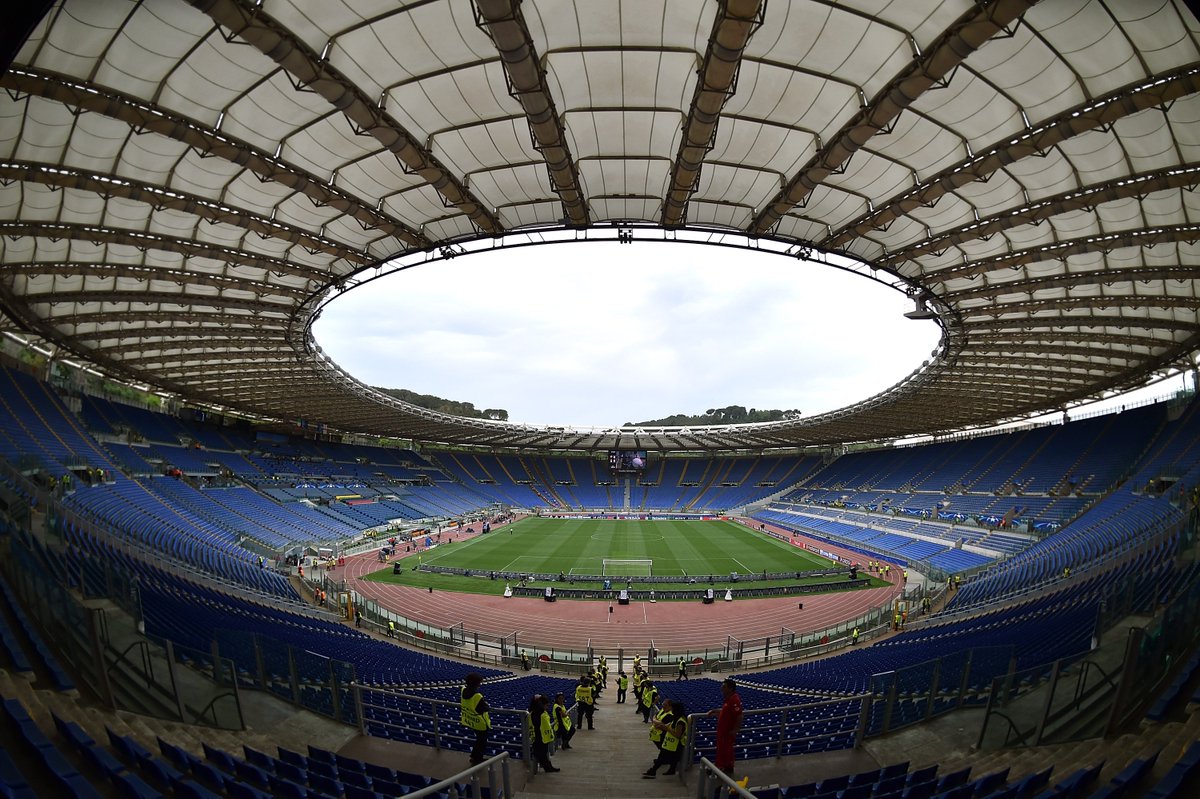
{"points": [[627, 568]]}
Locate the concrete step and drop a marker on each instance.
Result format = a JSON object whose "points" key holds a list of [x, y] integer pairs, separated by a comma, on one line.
{"points": [[607, 763]]}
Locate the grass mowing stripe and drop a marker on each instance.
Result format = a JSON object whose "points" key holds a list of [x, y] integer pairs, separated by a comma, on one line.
{"points": [[553, 545]]}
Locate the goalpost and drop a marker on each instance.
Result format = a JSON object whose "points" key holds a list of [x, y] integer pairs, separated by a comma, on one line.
{"points": [[616, 567]]}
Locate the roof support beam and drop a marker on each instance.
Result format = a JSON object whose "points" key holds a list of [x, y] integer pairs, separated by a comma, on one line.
{"points": [[1081, 119], [1061, 250], [223, 304], [981, 350], [307, 69], [1007, 342], [1103, 277], [1060, 307], [1065, 375], [18, 310], [968, 33], [159, 345], [157, 297], [142, 116], [1053, 325], [1015, 365], [1139, 186], [107, 270], [214, 358], [504, 22], [154, 241], [110, 185], [172, 322], [716, 80]]}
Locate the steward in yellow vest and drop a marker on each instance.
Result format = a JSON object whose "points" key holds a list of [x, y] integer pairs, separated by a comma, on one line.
{"points": [[541, 732], [562, 720], [660, 720], [475, 715], [649, 694], [546, 728], [674, 732], [584, 696]]}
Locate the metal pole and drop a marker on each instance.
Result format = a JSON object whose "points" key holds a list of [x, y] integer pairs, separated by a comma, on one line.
{"points": [[933, 688], [358, 707], [864, 717]]}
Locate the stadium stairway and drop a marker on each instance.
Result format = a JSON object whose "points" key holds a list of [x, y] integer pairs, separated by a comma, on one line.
{"points": [[607, 762]]}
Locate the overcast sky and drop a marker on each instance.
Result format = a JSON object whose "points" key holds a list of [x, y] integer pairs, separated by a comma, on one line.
{"points": [[603, 334]]}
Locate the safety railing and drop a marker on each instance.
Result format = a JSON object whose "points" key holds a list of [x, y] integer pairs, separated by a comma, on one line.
{"points": [[396, 715], [477, 781], [712, 780]]}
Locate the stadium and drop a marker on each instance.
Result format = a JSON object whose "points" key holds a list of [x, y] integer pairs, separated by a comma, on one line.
{"points": [[233, 568]]}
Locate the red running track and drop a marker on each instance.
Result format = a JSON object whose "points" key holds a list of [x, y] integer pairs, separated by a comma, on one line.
{"points": [[570, 624]]}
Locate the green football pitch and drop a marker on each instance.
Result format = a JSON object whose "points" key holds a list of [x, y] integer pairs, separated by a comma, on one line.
{"points": [[580, 547]]}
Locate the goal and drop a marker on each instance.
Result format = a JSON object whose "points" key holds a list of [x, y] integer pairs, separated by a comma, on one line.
{"points": [[627, 568]]}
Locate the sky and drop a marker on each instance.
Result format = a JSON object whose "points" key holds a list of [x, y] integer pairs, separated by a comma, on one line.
{"points": [[601, 334]]}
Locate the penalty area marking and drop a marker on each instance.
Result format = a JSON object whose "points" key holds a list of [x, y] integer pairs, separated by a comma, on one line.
{"points": [[517, 559]]}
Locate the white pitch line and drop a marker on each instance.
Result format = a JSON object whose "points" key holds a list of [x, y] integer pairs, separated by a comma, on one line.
{"points": [[509, 568], [645, 615]]}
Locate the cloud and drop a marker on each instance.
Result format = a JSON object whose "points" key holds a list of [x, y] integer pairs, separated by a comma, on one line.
{"points": [[599, 334]]}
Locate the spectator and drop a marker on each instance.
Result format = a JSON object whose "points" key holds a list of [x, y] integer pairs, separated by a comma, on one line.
{"points": [[729, 721]]}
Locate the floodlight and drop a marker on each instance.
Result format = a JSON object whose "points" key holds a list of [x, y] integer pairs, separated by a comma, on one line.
{"points": [[921, 311]]}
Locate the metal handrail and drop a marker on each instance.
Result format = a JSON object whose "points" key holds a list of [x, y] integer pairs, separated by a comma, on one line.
{"points": [[708, 769], [471, 776], [362, 706]]}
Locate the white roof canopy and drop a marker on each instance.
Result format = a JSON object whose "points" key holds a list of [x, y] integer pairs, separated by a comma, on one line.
{"points": [[183, 183]]}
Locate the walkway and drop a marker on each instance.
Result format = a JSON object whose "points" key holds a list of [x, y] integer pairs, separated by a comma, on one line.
{"points": [[607, 762]]}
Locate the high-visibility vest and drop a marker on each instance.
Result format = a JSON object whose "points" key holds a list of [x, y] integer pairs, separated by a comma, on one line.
{"points": [[547, 730], [563, 717], [622, 682], [471, 717], [682, 665], [655, 733], [583, 693], [674, 735], [648, 694]]}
